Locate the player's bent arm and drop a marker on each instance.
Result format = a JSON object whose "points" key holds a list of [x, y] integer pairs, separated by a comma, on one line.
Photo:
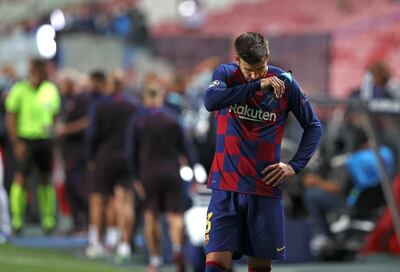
{"points": [[277, 85], [219, 96], [302, 110], [308, 145]]}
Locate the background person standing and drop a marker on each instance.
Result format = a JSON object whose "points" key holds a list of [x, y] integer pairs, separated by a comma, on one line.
{"points": [[32, 106]]}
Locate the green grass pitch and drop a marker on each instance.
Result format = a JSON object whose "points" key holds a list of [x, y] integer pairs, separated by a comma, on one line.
{"points": [[18, 259]]}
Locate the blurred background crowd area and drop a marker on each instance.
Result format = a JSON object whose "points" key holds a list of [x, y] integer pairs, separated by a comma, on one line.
{"points": [[337, 39], [339, 51]]}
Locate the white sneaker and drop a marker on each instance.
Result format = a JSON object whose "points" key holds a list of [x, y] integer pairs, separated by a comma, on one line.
{"points": [[122, 254], [112, 238], [95, 252], [155, 262], [124, 250]]}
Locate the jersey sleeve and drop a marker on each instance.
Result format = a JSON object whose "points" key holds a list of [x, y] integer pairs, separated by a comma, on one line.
{"points": [[304, 113], [13, 99], [219, 96]]}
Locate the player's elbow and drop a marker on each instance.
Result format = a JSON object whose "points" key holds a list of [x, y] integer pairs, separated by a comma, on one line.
{"points": [[314, 129], [319, 130], [209, 103]]}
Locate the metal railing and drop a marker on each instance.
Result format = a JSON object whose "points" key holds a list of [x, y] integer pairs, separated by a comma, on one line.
{"points": [[370, 109]]}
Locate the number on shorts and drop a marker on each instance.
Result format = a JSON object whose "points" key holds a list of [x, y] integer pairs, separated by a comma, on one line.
{"points": [[208, 227]]}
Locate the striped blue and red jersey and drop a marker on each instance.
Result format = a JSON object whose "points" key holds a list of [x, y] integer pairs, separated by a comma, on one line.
{"points": [[250, 124]]}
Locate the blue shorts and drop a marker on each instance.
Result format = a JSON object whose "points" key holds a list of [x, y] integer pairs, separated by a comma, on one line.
{"points": [[245, 225]]}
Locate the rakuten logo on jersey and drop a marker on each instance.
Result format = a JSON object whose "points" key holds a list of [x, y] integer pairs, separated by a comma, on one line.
{"points": [[248, 113]]}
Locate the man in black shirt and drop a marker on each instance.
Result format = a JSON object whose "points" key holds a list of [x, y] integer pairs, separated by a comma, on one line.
{"points": [[106, 138], [157, 150]]}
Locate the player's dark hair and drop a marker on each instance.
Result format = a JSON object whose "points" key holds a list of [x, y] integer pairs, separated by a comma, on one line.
{"points": [[98, 76], [38, 63], [38, 66], [252, 47]]}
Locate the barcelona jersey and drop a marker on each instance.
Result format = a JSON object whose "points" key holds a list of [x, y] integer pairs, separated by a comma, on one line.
{"points": [[250, 124]]}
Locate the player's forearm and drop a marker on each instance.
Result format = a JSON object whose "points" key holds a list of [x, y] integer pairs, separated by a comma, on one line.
{"points": [[76, 126], [308, 145], [11, 125], [218, 98]]}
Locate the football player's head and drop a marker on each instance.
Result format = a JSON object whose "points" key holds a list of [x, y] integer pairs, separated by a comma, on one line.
{"points": [[37, 71], [252, 52]]}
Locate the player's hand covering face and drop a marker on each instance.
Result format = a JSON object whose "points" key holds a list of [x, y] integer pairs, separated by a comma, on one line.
{"points": [[258, 71], [274, 82]]}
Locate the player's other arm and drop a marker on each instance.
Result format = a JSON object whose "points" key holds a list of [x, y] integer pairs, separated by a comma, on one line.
{"points": [[219, 95], [304, 113], [13, 104], [302, 110]]}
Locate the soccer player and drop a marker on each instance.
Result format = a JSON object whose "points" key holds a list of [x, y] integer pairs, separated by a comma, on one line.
{"points": [[32, 106], [70, 130], [252, 100], [155, 142], [106, 135]]}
